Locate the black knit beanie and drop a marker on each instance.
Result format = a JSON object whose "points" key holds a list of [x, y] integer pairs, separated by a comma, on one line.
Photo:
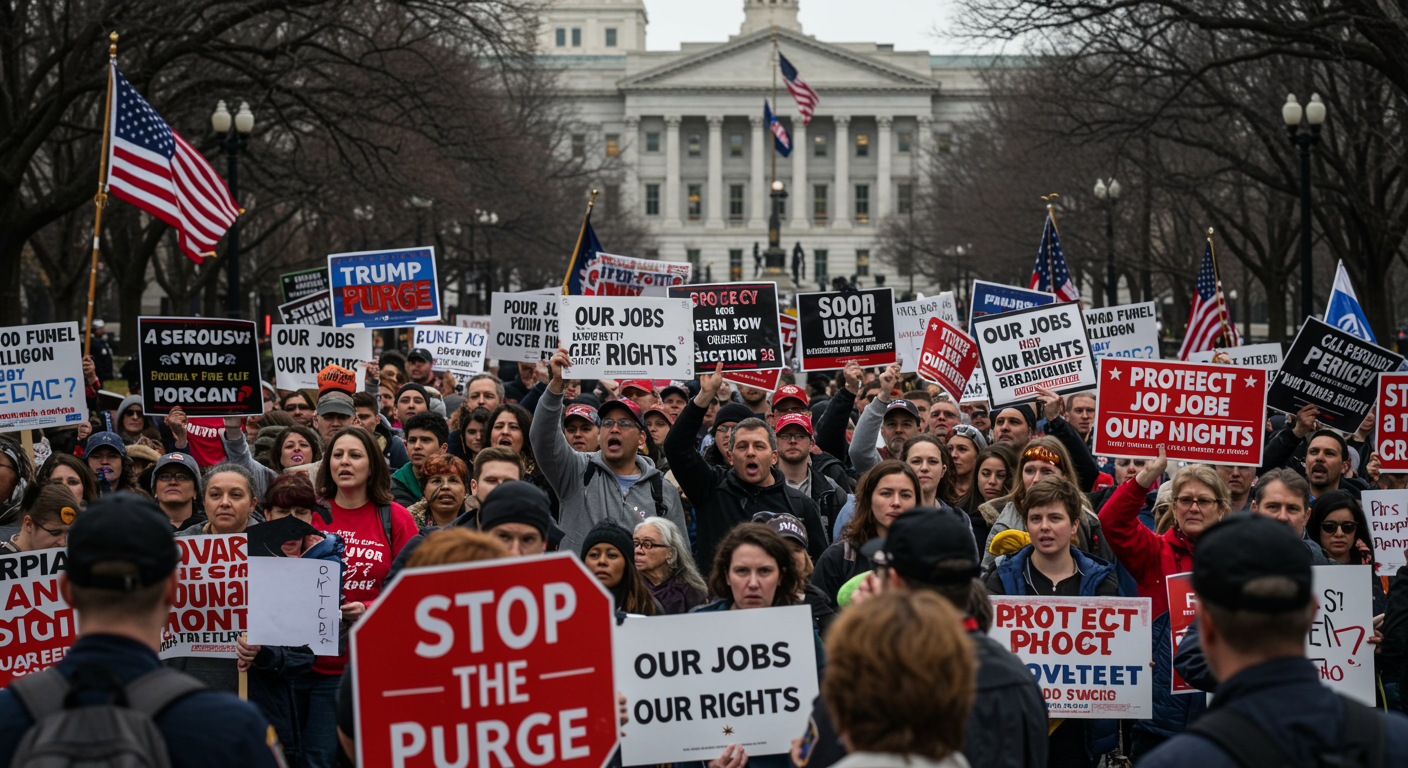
{"points": [[612, 533]]}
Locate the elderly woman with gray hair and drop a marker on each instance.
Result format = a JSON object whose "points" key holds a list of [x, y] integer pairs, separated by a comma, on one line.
{"points": [[663, 559]]}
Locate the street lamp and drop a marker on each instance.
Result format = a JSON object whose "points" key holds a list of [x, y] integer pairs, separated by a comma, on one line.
{"points": [[1109, 193], [236, 131], [1304, 129], [773, 257], [483, 219]]}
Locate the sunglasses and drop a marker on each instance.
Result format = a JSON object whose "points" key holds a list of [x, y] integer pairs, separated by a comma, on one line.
{"points": [[1347, 527]]}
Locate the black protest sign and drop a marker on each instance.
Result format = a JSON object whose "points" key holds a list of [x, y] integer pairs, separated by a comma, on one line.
{"points": [[1337, 372], [315, 309], [736, 324], [298, 285], [205, 366], [837, 328]]}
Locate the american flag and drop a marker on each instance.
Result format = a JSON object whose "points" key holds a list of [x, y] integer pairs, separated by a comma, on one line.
{"points": [[1206, 319], [1050, 274], [152, 167], [802, 93], [781, 140]]}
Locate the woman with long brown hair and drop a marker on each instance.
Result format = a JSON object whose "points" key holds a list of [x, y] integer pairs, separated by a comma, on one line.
{"points": [[886, 490], [608, 552]]}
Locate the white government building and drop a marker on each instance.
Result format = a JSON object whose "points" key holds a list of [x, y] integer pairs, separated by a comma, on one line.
{"points": [[688, 127]]}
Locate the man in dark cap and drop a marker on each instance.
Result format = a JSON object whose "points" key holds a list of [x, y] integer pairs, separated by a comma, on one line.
{"points": [[518, 513], [121, 580], [894, 420], [1253, 578], [419, 364], [411, 399]]}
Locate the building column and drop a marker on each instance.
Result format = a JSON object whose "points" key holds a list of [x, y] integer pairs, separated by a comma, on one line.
{"points": [[631, 193], [801, 187], [882, 182], [841, 211], [758, 181], [672, 172], [714, 216]]}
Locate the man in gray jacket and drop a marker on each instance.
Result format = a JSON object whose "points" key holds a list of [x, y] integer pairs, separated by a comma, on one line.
{"points": [[613, 482]]}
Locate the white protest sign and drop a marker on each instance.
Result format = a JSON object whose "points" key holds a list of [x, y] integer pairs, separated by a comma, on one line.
{"points": [[523, 326], [41, 376], [628, 337], [976, 391], [293, 602], [612, 275], [1338, 643], [1128, 330], [697, 682], [1030, 349], [1090, 655], [911, 322], [1264, 356], [300, 351], [480, 322], [1387, 513], [457, 350]]}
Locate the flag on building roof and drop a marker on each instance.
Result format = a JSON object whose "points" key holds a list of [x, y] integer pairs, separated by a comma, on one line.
{"points": [[802, 93], [152, 167], [1209, 326], [1344, 311], [582, 260], [1050, 274], [780, 139]]}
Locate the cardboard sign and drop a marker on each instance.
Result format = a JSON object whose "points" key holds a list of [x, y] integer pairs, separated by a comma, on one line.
{"points": [[1264, 356], [976, 391], [41, 376], [384, 289], [300, 351], [1338, 643], [1128, 330], [457, 350], [696, 683], [627, 337], [837, 328], [736, 324], [759, 379], [1090, 655], [1213, 414], [212, 605], [506, 660], [304, 283], [1391, 423], [1334, 370], [1182, 610], [294, 603], [996, 298], [478, 322], [948, 358], [612, 275], [309, 310], [36, 625], [1043, 347], [1387, 513], [912, 323], [205, 366], [523, 327]]}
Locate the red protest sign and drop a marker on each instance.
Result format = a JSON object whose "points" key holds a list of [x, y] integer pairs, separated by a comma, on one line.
{"points": [[1182, 609], [1391, 437], [1213, 414], [759, 379], [505, 660], [947, 357], [788, 326]]}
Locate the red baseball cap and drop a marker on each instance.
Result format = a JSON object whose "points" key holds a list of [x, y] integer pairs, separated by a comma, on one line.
{"points": [[622, 403], [659, 410], [790, 390], [582, 411], [644, 385], [802, 420]]}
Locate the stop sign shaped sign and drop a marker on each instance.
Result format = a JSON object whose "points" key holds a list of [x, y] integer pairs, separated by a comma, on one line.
{"points": [[487, 664]]}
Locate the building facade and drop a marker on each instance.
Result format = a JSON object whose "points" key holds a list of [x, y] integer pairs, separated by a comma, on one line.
{"points": [[697, 159]]}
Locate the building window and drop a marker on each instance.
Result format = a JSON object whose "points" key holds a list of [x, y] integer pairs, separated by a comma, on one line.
{"points": [[862, 203], [610, 37], [904, 201], [576, 37], [735, 264], [819, 264], [819, 203], [862, 263], [735, 145], [561, 37], [905, 142], [652, 142], [579, 145], [945, 142], [735, 202], [862, 145], [613, 144], [820, 146], [694, 148], [652, 199], [696, 201]]}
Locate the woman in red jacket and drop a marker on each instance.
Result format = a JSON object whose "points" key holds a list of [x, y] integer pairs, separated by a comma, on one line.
{"points": [[1200, 498]]}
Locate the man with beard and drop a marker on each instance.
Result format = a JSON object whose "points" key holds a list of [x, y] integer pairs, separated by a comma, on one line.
{"points": [[895, 420], [1326, 459], [756, 399], [582, 427], [802, 470], [614, 482]]}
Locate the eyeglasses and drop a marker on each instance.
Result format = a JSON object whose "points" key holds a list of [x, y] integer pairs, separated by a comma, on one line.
{"points": [[297, 407], [645, 545], [56, 534], [1347, 527], [1188, 502], [978, 415], [173, 477], [793, 437], [622, 423]]}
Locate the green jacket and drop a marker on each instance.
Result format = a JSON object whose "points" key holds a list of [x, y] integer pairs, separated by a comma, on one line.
{"points": [[405, 486]]}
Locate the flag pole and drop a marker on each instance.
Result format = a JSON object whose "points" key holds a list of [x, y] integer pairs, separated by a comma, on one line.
{"points": [[1217, 285], [1051, 214], [581, 233], [775, 66], [100, 200]]}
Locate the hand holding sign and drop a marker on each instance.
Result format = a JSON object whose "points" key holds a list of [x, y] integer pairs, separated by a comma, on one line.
{"points": [[1052, 404], [560, 360], [709, 386], [1153, 470], [888, 379], [853, 373], [1305, 420]]}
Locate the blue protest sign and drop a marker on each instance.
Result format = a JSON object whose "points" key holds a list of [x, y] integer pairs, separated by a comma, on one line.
{"points": [[377, 289], [996, 298]]}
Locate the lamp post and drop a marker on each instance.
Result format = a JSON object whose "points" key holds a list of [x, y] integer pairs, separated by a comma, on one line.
{"points": [[774, 257], [1303, 125], [1109, 193], [483, 218], [236, 131]]}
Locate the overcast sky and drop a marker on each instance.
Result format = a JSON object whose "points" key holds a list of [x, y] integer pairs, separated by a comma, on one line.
{"points": [[909, 24]]}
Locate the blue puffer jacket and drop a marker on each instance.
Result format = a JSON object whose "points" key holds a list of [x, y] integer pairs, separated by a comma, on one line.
{"points": [[1173, 712]]}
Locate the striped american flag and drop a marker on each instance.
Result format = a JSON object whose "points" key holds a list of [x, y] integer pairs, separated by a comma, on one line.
{"points": [[1208, 315], [152, 167], [802, 93], [1050, 274]]}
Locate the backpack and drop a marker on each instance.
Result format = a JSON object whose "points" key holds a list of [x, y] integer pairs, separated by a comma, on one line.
{"points": [[656, 482], [1247, 744], [383, 511], [119, 734]]}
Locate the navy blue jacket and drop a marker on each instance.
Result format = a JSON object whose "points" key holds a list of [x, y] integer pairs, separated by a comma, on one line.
{"points": [[208, 729]]}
